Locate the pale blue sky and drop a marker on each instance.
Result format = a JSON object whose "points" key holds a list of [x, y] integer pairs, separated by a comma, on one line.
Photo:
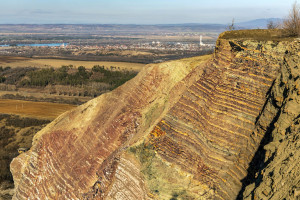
{"points": [[140, 11]]}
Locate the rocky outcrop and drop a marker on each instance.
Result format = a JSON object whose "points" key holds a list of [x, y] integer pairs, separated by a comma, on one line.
{"points": [[274, 172], [72, 153], [208, 134], [179, 130]]}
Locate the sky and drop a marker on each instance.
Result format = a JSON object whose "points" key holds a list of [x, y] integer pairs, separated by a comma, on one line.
{"points": [[139, 11]]}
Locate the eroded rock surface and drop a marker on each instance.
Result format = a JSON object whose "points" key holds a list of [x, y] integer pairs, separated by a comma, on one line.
{"points": [[179, 130], [275, 173], [70, 155]]}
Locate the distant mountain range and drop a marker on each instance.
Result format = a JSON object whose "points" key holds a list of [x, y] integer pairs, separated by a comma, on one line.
{"points": [[108, 29], [257, 23], [252, 24]]}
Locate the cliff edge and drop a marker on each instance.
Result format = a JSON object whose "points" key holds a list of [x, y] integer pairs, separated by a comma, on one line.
{"points": [[274, 172], [185, 129]]}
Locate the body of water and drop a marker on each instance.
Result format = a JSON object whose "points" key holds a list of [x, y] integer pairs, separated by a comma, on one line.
{"points": [[36, 45]]}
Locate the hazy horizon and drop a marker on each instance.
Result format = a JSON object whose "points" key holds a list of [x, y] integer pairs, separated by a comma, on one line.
{"points": [[139, 12], [187, 23]]}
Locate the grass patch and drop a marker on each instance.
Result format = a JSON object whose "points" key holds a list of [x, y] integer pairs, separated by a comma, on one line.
{"points": [[257, 34], [163, 181]]}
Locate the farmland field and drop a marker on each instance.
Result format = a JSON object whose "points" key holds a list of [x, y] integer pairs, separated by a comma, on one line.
{"points": [[39, 110], [56, 63]]}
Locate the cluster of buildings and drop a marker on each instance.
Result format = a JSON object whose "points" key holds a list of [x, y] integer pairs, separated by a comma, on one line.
{"points": [[154, 45], [140, 46]]}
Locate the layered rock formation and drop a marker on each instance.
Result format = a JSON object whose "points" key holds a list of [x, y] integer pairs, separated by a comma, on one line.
{"points": [[179, 130], [275, 172], [72, 153]]}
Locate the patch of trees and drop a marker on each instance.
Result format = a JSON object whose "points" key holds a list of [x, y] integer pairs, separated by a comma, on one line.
{"points": [[14, 75], [15, 132], [66, 75], [74, 101], [2, 78], [292, 23], [114, 78], [16, 121], [6, 156], [4, 68], [65, 81]]}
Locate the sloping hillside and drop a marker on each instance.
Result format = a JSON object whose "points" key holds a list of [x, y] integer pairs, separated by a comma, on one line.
{"points": [[184, 129]]}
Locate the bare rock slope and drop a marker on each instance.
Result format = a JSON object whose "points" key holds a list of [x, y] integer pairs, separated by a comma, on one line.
{"points": [[275, 172], [184, 129]]}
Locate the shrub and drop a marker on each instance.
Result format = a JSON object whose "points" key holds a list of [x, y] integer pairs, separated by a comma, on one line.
{"points": [[272, 25], [292, 24], [231, 26]]}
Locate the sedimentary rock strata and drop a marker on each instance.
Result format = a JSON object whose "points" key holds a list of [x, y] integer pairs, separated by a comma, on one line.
{"points": [[209, 132], [185, 129], [70, 155], [277, 174]]}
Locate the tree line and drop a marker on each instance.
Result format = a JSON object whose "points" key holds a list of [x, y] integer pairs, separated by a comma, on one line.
{"points": [[66, 75]]}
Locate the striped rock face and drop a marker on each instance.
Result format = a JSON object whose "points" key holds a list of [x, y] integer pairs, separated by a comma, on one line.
{"points": [[183, 129]]}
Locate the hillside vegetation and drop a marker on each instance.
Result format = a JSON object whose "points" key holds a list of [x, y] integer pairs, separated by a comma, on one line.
{"points": [[258, 34], [15, 132], [63, 82]]}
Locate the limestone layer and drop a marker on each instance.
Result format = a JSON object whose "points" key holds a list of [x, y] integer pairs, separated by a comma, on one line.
{"points": [[179, 130]]}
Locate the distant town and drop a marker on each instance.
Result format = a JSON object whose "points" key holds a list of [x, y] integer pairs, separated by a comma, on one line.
{"points": [[157, 45], [142, 49]]}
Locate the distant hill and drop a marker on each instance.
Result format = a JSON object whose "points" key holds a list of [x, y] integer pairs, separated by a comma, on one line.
{"points": [[108, 29], [257, 23], [123, 29]]}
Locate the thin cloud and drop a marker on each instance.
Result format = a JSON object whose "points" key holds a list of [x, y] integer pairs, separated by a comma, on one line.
{"points": [[41, 12]]}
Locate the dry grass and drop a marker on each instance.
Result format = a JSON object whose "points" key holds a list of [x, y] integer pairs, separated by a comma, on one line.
{"points": [[26, 62], [39, 110], [196, 61], [12, 59], [256, 34]]}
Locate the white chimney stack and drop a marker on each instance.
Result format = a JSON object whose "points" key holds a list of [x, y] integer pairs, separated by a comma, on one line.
{"points": [[201, 43]]}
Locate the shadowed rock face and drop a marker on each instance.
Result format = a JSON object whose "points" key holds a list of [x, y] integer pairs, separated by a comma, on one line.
{"points": [[275, 172], [179, 130]]}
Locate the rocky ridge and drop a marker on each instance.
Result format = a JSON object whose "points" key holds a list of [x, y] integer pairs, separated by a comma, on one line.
{"points": [[274, 172], [184, 129]]}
